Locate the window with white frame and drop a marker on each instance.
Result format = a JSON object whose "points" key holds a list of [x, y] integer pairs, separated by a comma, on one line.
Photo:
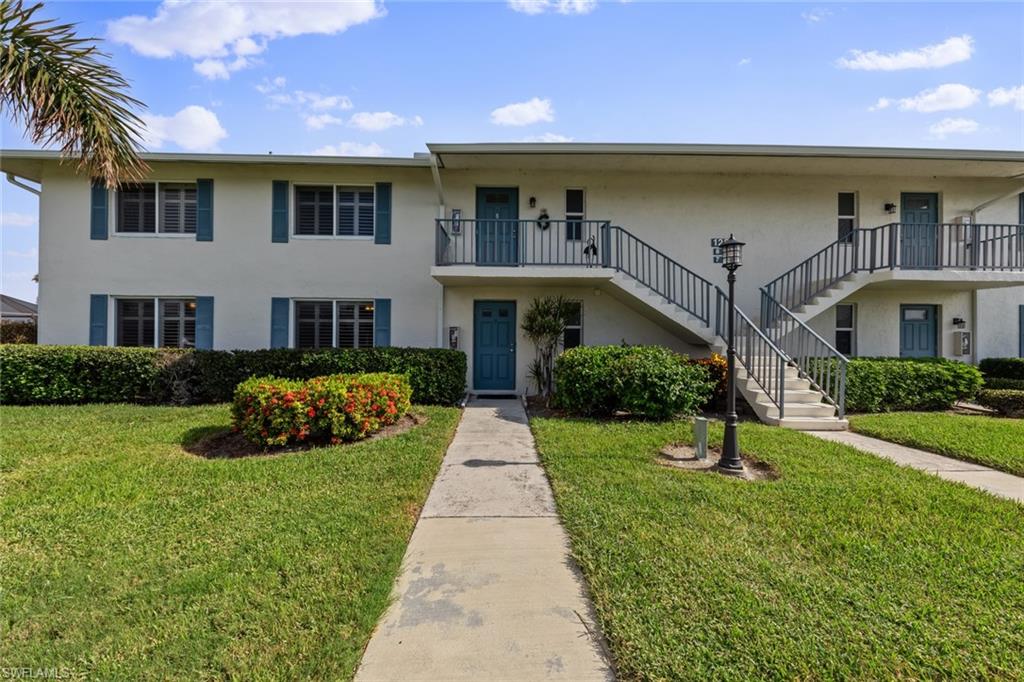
{"points": [[138, 319], [331, 323], [178, 208], [150, 207], [355, 324], [329, 210], [575, 213], [314, 210], [847, 217], [845, 328], [355, 211], [572, 336]]}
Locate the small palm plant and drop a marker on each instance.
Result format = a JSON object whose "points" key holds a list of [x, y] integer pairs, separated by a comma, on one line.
{"points": [[544, 323], [65, 93]]}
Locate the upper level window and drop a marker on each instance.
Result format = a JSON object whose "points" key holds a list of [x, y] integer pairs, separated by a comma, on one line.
{"points": [[177, 208], [355, 211], [138, 320], [136, 208], [148, 207], [847, 215], [573, 334], [326, 210], [575, 213], [314, 210]]}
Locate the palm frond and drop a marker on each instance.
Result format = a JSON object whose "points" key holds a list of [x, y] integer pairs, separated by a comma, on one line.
{"points": [[64, 91]]}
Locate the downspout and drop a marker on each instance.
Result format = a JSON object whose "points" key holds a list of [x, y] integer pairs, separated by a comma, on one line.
{"points": [[13, 179], [441, 209]]}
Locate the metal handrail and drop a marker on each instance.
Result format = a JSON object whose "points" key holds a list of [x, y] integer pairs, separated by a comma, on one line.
{"points": [[663, 275], [816, 359], [901, 246], [499, 242], [764, 361]]}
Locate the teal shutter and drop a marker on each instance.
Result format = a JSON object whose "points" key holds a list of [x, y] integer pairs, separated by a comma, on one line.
{"points": [[204, 322], [279, 323], [279, 213], [98, 320], [382, 322], [204, 210], [382, 222], [98, 214]]}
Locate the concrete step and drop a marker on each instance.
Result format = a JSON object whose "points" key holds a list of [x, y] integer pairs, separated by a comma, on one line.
{"points": [[815, 424], [798, 409]]}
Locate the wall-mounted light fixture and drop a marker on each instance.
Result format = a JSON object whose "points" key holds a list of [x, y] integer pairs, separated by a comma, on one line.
{"points": [[959, 322], [533, 202], [890, 208]]}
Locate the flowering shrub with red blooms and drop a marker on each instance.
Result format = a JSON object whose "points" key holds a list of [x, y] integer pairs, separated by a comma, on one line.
{"points": [[329, 409]]}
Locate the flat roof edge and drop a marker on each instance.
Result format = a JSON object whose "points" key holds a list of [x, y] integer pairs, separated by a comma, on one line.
{"points": [[309, 159], [728, 150]]}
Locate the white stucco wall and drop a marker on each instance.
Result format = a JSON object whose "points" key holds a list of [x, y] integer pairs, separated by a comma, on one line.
{"points": [[783, 219], [241, 268], [606, 321]]}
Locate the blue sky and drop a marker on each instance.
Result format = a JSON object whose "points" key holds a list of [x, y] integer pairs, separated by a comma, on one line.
{"points": [[372, 78]]}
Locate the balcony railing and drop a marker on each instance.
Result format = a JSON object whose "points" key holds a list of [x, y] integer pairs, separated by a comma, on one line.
{"points": [[902, 246], [582, 243]]}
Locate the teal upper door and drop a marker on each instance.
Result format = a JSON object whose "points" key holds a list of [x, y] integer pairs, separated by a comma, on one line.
{"points": [[919, 245], [918, 331], [494, 345], [497, 225]]}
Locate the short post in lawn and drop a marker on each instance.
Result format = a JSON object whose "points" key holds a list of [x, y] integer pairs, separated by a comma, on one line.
{"points": [[730, 462]]}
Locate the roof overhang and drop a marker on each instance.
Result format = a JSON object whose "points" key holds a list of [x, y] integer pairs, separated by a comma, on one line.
{"points": [[723, 158], [28, 163]]}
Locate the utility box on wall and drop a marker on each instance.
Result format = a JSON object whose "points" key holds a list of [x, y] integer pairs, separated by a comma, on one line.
{"points": [[961, 343]]}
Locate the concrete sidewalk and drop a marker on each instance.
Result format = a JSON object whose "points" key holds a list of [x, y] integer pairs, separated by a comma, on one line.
{"points": [[488, 590], [981, 477]]}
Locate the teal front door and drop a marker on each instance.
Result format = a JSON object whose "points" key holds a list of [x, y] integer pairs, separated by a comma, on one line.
{"points": [[918, 331], [919, 244], [494, 345], [497, 225]]}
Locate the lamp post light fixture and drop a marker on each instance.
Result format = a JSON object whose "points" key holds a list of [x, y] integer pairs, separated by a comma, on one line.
{"points": [[730, 462]]}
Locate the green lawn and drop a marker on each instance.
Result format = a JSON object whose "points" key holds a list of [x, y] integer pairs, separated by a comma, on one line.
{"points": [[848, 567], [994, 442], [126, 557]]}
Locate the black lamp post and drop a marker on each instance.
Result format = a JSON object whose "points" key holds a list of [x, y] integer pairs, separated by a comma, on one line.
{"points": [[729, 462]]}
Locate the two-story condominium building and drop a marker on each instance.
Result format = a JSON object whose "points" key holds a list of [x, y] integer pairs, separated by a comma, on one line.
{"points": [[849, 251]]}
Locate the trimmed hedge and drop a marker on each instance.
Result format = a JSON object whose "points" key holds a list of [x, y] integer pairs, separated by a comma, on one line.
{"points": [[1002, 368], [18, 332], [645, 381], [330, 409], [1007, 402], [892, 384], [32, 375], [1012, 384]]}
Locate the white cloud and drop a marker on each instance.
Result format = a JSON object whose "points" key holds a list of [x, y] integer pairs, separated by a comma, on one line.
{"points": [[559, 6], [816, 15], [744, 62], [320, 121], [223, 36], [523, 113], [953, 126], [943, 98], [547, 137], [269, 85], [1002, 96], [950, 51], [350, 149], [194, 128], [381, 120], [882, 103], [9, 219]]}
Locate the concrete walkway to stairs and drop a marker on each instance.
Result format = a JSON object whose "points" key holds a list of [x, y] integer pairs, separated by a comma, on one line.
{"points": [[488, 590], [981, 477]]}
